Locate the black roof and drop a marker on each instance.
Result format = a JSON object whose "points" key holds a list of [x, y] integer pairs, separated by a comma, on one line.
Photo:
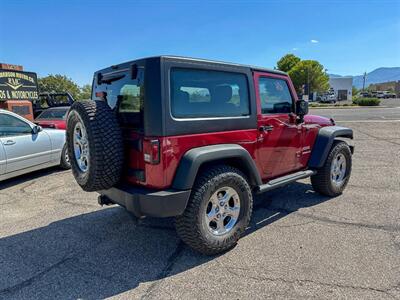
{"points": [[200, 60]]}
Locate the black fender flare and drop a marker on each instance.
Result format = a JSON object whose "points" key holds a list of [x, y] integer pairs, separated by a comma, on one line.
{"points": [[323, 143], [193, 159]]}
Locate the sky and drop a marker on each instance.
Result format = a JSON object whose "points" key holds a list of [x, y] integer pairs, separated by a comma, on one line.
{"points": [[76, 38]]}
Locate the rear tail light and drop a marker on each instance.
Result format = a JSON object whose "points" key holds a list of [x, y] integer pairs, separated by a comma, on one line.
{"points": [[151, 151]]}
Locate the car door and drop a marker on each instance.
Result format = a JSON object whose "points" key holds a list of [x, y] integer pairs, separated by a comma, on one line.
{"points": [[2, 159], [279, 136], [23, 149]]}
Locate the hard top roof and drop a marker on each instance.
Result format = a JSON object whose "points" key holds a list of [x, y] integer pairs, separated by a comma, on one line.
{"points": [[199, 60]]}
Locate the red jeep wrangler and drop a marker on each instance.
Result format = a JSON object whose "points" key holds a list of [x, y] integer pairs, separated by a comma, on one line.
{"points": [[171, 136]]}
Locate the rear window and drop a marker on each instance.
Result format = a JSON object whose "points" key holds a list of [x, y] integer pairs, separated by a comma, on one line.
{"points": [[124, 94], [200, 93], [54, 114]]}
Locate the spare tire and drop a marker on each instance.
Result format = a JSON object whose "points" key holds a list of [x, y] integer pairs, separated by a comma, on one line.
{"points": [[95, 146]]}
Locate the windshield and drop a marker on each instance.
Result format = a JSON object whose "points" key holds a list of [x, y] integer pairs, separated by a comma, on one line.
{"points": [[54, 114]]}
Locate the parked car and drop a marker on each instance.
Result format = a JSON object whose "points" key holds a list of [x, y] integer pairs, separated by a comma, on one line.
{"points": [[385, 95], [26, 147], [54, 117], [365, 94], [328, 98], [374, 94], [195, 139]]}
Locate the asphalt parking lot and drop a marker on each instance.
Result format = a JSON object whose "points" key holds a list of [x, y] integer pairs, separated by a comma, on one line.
{"points": [[56, 242]]}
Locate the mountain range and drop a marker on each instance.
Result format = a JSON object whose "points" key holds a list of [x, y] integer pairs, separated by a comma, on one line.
{"points": [[376, 76]]}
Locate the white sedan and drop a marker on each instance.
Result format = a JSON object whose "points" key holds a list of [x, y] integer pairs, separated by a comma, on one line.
{"points": [[26, 147]]}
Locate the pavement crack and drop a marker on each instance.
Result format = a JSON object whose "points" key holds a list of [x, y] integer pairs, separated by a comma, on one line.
{"points": [[23, 189], [19, 286], [302, 281], [166, 271], [387, 228], [388, 140], [84, 205]]}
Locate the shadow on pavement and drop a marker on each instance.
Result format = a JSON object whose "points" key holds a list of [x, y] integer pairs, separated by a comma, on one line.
{"points": [[105, 253], [30, 176]]}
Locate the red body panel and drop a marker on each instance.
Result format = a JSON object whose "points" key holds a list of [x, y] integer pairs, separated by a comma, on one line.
{"points": [[283, 150], [313, 119], [57, 124], [174, 147]]}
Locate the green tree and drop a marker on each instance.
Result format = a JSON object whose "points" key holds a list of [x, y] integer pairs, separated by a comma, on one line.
{"points": [[58, 84], [86, 92], [354, 91], [287, 62], [312, 72]]}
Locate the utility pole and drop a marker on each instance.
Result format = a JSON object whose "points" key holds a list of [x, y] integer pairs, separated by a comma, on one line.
{"points": [[364, 78], [308, 83]]}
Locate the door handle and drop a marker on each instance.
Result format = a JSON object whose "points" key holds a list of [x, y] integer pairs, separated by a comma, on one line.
{"points": [[9, 143], [266, 128]]}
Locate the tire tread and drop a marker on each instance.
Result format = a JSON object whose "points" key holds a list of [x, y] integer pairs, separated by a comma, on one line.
{"points": [[188, 225]]}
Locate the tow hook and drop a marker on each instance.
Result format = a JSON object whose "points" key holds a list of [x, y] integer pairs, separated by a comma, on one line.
{"points": [[104, 200]]}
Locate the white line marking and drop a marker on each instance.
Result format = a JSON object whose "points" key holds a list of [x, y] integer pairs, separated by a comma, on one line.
{"points": [[368, 121]]}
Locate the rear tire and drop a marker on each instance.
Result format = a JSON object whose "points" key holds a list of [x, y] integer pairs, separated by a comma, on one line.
{"points": [[95, 145], [64, 161], [226, 185], [330, 180]]}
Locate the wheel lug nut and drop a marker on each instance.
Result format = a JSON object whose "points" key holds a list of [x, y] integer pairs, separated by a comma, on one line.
{"points": [[221, 203], [218, 216]]}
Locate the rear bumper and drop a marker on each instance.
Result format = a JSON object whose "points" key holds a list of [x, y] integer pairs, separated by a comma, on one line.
{"points": [[145, 202]]}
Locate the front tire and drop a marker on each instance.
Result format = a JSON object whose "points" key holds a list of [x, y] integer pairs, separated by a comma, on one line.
{"points": [[218, 211], [332, 178]]}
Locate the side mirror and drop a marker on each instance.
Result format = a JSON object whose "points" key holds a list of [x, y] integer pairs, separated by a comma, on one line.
{"points": [[301, 107], [36, 129]]}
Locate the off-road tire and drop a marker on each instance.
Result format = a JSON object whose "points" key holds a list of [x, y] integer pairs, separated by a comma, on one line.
{"points": [[105, 144], [191, 226], [322, 182], [64, 162]]}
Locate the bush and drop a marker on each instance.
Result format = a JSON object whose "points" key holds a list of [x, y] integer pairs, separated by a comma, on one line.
{"points": [[367, 101]]}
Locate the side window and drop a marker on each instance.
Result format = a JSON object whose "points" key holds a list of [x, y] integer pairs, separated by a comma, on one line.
{"points": [[201, 93], [275, 96], [12, 126]]}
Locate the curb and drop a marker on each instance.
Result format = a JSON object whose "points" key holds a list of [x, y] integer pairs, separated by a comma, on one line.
{"points": [[345, 107]]}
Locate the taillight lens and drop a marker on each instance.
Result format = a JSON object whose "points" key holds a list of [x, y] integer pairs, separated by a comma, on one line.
{"points": [[151, 151]]}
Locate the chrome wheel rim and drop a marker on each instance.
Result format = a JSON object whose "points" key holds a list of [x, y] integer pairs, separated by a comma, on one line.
{"points": [[81, 147], [222, 211], [338, 169], [66, 157]]}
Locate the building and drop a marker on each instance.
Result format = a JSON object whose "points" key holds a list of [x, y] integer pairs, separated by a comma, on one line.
{"points": [[397, 89], [342, 87]]}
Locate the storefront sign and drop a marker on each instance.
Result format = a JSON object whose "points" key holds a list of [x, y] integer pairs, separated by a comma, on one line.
{"points": [[18, 85]]}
